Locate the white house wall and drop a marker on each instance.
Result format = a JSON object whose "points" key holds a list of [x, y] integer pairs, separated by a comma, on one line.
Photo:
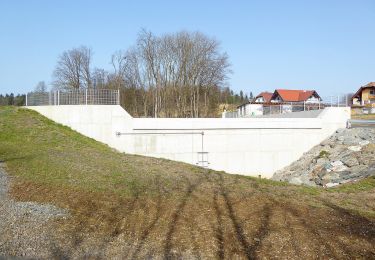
{"points": [[249, 146]]}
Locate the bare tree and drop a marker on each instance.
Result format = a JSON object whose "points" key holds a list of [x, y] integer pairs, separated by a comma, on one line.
{"points": [[149, 54], [118, 60], [180, 74], [73, 69], [181, 71], [41, 87], [99, 78]]}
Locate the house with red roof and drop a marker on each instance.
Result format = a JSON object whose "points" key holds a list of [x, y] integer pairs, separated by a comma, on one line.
{"points": [[264, 97], [293, 95], [289, 100]]}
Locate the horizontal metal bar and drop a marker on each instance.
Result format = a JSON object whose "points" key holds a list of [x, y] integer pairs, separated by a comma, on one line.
{"points": [[226, 128], [162, 133]]}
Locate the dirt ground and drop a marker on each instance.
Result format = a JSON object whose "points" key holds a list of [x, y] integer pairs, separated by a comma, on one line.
{"points": [[214, 216]]}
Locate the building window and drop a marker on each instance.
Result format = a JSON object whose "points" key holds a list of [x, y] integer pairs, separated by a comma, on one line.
{"points": [[372, 92]]}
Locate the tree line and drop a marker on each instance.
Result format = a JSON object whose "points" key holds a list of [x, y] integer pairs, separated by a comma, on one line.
{"points": [[180, 74], [12, 100]]}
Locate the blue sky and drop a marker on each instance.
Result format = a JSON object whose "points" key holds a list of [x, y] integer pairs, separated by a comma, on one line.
{"points": [[324, 45]]}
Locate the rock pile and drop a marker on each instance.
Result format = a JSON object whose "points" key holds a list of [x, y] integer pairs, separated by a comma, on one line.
{"points": [[347, 156]]}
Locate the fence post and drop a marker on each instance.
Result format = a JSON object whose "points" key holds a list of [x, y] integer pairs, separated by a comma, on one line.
{"points": [[118, 96], [86, 96], [338, 100], [26, 99], [223, 115], [304, 105], [58, 97]]}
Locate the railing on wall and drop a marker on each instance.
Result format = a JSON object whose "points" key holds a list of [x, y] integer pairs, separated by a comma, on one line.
{"points": [[74, 97], [283, 108], [260, 109]]}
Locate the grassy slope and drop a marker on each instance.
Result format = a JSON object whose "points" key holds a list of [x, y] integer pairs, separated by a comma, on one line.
{"points": [[139, 206]]}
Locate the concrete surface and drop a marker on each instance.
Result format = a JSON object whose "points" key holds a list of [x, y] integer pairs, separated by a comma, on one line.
{"points": [[248, 146]]}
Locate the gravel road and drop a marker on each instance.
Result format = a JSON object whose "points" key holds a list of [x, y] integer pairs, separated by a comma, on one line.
{"points": [[25, 227]]}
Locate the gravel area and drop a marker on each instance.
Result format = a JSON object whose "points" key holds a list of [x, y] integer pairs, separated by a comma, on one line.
{"points": [[25, 227]]}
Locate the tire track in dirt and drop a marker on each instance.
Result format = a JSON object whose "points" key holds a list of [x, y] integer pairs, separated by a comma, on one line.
{"points": [[330, 250], [249, 249], [296, 248], [219, 235], [148, 229], [176, 215]]}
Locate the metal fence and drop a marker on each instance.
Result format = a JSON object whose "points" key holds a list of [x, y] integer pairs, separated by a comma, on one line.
{"points": [[230, 114], [336, 101], [260, 109], [74, 97]]}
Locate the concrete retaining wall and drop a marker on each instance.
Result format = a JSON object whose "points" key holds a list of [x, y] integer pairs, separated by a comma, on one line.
{"points": [[248, 146]]}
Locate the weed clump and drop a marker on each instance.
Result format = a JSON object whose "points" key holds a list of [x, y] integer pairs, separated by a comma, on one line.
{"points": [[323, 154]]}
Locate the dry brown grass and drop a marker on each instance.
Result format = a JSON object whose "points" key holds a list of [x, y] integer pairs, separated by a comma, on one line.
{"points": [[364, 116], [209, 218]]}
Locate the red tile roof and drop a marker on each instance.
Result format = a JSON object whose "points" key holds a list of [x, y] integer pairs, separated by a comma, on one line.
{"points": [[289, 95], [266, 96]]}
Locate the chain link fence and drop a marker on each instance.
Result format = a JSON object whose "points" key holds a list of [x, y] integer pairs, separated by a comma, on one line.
{"points": [[74, 97]]}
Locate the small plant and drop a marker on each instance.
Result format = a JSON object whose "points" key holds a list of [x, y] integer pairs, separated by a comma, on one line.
{"points": [[323, 154]]}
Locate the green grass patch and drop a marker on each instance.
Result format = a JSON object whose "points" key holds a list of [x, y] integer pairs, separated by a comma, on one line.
{"points": [[39, 150], [310, 190], [359, 186]]}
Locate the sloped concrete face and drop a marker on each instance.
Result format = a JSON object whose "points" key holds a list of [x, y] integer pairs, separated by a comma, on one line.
{"points": [[248, 146]]}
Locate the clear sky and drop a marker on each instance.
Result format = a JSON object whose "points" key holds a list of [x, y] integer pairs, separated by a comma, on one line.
{"points": [[325, 45]]}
